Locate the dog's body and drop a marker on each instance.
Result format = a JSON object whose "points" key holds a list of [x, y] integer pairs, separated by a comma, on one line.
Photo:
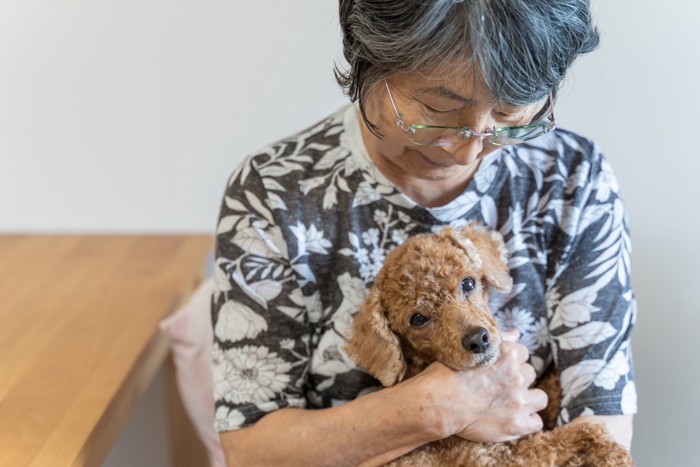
{"points": [[429, 303]]}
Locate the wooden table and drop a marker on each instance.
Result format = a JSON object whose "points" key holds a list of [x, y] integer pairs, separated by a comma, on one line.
{"points": [[79, 341]]}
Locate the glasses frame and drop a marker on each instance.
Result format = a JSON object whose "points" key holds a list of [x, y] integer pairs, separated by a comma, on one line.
{"points": [[465, 132]]}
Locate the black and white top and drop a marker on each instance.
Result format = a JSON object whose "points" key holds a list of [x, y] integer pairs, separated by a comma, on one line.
{"points": [[305, 226]]}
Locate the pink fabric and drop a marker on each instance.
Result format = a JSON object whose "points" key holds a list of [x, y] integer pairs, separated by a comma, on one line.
{"points": [[190, 333]]}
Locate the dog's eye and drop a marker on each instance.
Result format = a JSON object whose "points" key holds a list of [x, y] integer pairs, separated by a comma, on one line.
{"points": [[468, 284], [418, 320]]}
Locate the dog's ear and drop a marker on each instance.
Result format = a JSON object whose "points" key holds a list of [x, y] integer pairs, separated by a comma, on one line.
{"points": [[487, 248], [373, 345]]}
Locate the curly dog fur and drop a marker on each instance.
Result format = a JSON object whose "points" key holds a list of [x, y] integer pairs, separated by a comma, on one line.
{"points": [[430, 302]]}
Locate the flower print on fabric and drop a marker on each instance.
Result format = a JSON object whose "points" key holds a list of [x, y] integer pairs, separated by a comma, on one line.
{"points": [[249, 374], [305, 226]]}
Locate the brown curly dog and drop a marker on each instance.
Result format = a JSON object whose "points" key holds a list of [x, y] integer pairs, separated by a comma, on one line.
{"points": [[429, 302]]}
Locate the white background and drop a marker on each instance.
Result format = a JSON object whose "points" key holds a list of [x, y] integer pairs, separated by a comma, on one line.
{"points": [[128, 116]]}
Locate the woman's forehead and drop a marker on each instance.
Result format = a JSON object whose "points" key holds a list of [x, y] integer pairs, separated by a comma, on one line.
{"points": [[460, 83]]}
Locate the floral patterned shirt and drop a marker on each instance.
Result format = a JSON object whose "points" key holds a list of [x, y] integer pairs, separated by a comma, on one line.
{"points": [[304, 229]]}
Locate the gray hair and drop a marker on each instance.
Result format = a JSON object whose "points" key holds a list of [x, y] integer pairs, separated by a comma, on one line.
{"points": [[520, 48]]}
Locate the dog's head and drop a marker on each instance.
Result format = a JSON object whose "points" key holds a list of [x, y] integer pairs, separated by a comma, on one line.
{"points": [[429, 302]]}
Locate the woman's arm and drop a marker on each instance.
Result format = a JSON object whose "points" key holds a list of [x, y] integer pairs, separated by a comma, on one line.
{"points": [[489, 404], [619, 426], [366, 430]]}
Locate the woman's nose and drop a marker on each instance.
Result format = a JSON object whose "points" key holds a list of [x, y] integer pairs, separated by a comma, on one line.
{"points": [[466, 152]]}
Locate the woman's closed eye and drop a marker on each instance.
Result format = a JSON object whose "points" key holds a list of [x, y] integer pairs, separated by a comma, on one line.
{"points": [[510, 116], [432, 109]]}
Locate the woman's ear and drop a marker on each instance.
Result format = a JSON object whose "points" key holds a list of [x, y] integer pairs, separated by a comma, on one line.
{"points": [[373, 345]]}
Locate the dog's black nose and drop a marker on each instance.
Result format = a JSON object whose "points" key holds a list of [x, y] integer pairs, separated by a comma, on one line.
{"points": [[476, 340]]}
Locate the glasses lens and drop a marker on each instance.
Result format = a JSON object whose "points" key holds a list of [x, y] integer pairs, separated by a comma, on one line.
{"points": [[434, 135], [517, 134]]}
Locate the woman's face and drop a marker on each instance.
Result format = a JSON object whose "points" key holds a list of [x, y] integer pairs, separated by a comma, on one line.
{"points": [[433, 175]]}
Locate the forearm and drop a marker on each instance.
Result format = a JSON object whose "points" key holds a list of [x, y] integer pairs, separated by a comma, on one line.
{"points": [[370, 430], [619, 426]]}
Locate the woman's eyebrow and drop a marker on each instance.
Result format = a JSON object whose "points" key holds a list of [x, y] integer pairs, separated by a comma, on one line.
{"points": [[445, 92]]}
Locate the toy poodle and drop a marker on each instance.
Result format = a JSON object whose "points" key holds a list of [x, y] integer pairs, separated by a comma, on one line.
{"points": [[429, 302]]}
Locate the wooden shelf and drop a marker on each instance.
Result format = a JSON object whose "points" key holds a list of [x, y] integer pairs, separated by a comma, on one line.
{"points": [[79, 341]]}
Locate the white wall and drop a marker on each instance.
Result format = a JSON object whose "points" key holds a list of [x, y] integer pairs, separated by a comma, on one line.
{"points": [[129, 115], [638, 96]]}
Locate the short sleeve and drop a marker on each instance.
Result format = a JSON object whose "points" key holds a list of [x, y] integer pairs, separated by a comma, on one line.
{"points": [[261, 335], [590, 303]]}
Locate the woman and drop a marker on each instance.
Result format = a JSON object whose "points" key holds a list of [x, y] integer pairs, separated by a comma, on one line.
{"points": [[454, 121]]}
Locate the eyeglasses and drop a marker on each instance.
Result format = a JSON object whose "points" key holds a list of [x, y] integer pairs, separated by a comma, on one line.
{"points": [[438, 135]]}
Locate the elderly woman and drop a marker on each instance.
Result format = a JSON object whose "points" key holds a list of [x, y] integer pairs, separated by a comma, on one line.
{"points": [[453, 120]]}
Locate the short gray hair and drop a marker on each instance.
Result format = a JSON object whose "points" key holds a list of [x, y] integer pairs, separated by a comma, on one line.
{"points": [[521, 48]]}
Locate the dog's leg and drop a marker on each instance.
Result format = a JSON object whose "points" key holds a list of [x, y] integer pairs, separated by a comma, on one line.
{"points": [[551, 386]]}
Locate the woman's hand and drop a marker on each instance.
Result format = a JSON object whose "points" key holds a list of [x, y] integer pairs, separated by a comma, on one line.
{"points": [[488, 404]]}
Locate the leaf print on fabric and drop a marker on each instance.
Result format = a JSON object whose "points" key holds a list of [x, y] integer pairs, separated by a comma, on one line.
{"points": [[335, 163], [227, 223], [261, 291], [309, 184], [485, 176], [577, 378], [259, 207], [572, 309], [615, 250], [271, 184], [364, 195], [267, 290], [274, 240], [237, 321], [589, 216], [279, 170], [536, 162], [310, 239], [235, 205], [250, 240], [606, 183], [249, 374], [610, 375], [585, 335], [580, 177], [489, 211], [331, 158], [297, 298], [304, 272], [276, 202]]}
